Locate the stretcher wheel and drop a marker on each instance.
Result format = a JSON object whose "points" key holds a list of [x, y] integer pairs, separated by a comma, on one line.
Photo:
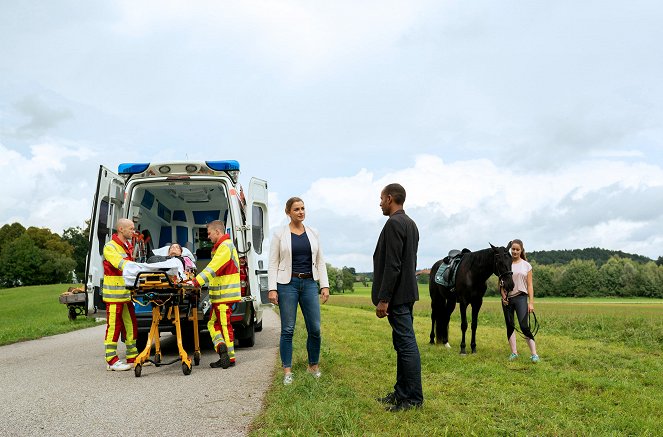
{"points": [[196, 358], [186, 369], [138, 368], [157, 358]]}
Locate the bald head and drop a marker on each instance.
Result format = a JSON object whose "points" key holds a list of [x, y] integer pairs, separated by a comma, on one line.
{"points": [[125, 229]]}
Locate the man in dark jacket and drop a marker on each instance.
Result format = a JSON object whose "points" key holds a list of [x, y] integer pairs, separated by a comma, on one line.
{"points": [[394, 293]]}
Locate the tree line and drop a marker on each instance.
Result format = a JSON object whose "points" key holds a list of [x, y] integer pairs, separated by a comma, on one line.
{"points": [[37, 256]]}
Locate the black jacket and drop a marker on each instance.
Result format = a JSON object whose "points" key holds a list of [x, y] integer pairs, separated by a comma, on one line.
{"points": [[395, 261]]}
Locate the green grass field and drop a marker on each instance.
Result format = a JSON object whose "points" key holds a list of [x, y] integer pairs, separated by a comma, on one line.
{"points": [[27, 313], [600, 373]]}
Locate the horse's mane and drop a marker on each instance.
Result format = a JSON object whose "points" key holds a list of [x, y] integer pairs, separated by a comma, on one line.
{"points": [[481, 258]]}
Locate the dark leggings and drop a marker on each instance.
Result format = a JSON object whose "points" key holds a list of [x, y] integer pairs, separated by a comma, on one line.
{"points": [[519, 304]]}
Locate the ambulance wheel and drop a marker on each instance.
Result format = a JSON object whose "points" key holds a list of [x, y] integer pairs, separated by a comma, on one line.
{"points": [[137, 370], [186, 369], [196, 358], [72, 314]]}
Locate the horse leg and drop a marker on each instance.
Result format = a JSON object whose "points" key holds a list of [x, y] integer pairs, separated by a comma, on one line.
{"points": [[476, 306], [433, 315], [463, 326], [443, 322]]}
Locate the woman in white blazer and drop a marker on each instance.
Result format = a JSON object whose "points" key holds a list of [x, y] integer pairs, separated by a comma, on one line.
{"points": [[295, 264]]}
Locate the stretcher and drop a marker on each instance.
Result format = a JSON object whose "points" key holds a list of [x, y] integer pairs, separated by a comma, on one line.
{"points": [[165, 294]]}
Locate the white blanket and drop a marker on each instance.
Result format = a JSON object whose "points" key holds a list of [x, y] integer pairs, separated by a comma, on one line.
{"points": [[131, 269]]}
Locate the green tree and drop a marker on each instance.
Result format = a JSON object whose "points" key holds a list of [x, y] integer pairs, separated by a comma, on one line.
{"points": [[579, 278], [9, 233], [423, 278], [543, 280], [348, 278], [335, 279], [611, 281], [36, 257], [78, 239]]}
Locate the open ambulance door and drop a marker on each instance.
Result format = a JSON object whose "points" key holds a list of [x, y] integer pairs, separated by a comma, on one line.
{"points": [[258, 221], [107, 208]]}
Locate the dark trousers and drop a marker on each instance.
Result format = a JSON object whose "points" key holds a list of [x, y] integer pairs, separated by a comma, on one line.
{"points": [[408, 361], [517, 304]]}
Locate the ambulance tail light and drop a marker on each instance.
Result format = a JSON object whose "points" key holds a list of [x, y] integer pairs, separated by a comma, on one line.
{"points": [[243, 277]]}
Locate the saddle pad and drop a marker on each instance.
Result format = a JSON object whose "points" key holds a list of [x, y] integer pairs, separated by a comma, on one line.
{"points": [[440, 275]]}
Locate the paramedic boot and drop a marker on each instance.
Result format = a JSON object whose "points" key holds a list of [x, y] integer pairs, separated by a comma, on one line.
{"points": [[224, 358], [118, 365]]}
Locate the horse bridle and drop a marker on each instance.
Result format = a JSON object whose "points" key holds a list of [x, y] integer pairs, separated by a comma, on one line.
{"points": [[500, 276]]}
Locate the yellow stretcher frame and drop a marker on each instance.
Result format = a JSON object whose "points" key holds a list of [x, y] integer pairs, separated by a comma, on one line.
{"points": [[165, 296]]}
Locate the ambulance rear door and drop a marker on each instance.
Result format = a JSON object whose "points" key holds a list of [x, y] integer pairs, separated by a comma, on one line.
{"points": [[257, 220], [107, 208]]}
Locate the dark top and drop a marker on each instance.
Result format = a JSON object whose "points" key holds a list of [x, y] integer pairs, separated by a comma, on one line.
{"points": [[302, 258], [395, 261]]}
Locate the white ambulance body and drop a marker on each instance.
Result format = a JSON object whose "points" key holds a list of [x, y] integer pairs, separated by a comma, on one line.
{"points": [[172, 203]]}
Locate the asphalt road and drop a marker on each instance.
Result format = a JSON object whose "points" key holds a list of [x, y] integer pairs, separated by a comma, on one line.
{"points": [[59, 386]]}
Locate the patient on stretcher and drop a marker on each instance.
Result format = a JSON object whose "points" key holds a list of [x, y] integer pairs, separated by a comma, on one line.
{"points": [[178, 261]]}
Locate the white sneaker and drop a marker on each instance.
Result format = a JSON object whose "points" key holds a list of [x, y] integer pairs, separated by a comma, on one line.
{"points": [[287, 379], [119, 365]]}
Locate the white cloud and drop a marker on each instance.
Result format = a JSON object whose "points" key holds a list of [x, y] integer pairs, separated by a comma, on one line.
{"points": [[471, 203], [44, 189]]}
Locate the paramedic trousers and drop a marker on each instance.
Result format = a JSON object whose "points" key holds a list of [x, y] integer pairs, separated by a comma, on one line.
{"points": [[120, 321], [220, 329]]}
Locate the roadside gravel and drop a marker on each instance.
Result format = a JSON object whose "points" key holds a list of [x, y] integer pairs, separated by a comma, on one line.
{"points": [[59, 386]]}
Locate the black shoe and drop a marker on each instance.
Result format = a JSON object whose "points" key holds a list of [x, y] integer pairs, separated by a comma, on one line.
{"points": [[403, 406], [390, 399], [224, 358], [216, 364]]}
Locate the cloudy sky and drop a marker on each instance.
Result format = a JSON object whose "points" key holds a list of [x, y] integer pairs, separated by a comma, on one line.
{"points": [[536, 120]]}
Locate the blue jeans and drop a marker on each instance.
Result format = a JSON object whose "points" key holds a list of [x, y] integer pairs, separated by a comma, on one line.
{"points": [[305, 293], [408, 361]]}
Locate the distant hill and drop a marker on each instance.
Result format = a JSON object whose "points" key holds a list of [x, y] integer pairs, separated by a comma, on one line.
{"points": [[600, 256]]}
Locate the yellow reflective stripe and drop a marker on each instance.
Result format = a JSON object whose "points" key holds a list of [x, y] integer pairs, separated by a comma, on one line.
{"points": [[116, 296], [223, 287], [114, 287], [209, 270], [227, 295]]}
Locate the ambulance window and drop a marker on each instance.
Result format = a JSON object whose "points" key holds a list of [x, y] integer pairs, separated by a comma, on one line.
{"points": [[257, 228], [102, 228]]}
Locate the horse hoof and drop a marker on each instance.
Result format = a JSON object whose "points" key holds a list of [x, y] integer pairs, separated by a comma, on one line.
{"points": [[447, 345], [463, 353], [474, 351]]}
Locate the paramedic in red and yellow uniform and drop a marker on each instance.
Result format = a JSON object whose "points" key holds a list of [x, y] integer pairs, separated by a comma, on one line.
{"points": [[222, 278], [120, 315]]}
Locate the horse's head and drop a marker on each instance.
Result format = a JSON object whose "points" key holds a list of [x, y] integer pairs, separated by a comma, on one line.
{"points": [[502, 267]]}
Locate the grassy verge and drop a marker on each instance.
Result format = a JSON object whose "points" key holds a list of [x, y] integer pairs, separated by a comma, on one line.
{"points": [[27, 313], [600, 373]]}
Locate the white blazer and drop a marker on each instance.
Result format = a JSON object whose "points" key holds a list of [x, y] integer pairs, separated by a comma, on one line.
{"points": [[280, 258]]}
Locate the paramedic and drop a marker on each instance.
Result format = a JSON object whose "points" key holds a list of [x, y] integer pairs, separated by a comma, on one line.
{"points": [[222, 277], [120, 315]]}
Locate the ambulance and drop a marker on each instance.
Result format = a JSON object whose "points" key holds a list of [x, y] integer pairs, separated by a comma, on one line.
{"points": [[172, 203]]}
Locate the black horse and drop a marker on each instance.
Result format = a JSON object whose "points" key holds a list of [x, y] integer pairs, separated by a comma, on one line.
{"points": [[473, 271]]}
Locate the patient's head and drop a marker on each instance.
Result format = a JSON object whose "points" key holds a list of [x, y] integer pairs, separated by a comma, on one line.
{"points": [[175, 250]]}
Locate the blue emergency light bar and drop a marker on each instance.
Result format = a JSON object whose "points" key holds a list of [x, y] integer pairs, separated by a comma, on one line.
{"points": [[228, 165], [132, 168]]}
